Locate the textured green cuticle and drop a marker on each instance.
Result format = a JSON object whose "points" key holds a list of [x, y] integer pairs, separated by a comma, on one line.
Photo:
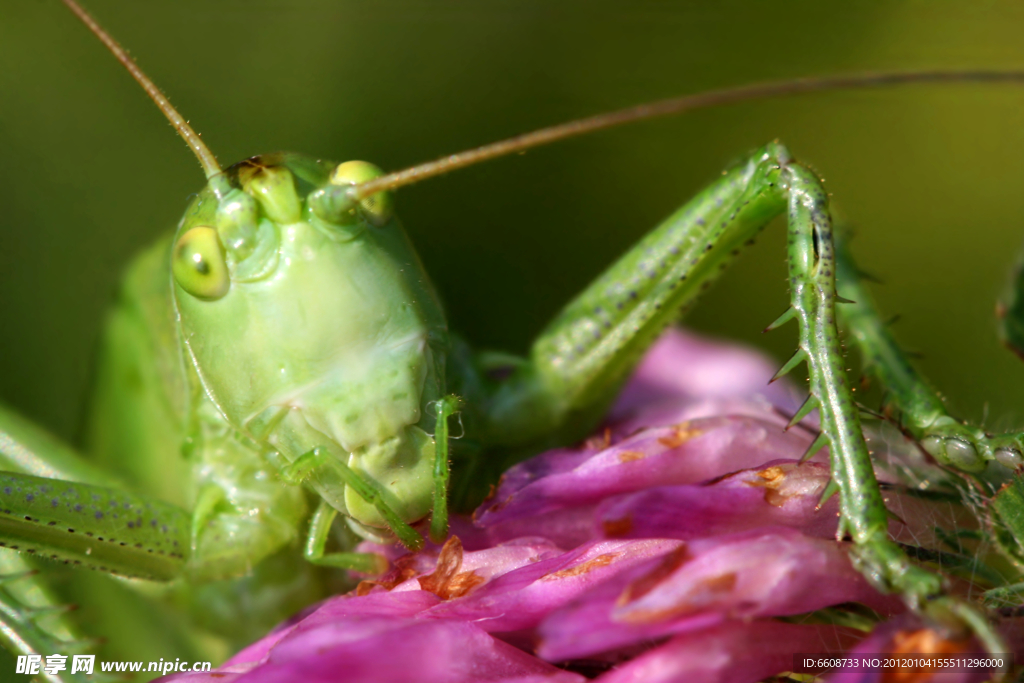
{"points": [[93, 526]]}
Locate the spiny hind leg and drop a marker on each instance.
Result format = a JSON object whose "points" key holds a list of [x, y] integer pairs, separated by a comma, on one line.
{"points": [[812, 269], [580, 360], [991, 462]]}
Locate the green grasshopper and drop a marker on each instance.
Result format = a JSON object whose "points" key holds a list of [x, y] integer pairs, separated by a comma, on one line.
{"points": [[326, 405]]}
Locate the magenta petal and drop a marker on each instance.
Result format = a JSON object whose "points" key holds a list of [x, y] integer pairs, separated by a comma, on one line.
{"points": [[520, 599], [671, 413], [734, 652], [258, 651], [566, 527], [375, 604], [390, 650], [781, 493], [406, 604], [682, 366], [509, 556], [684, 454], [484, 564], [706, 582], [546, 464]]}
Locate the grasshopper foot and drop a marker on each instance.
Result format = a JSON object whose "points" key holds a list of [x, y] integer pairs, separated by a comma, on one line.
{"points": [[969, 449]]}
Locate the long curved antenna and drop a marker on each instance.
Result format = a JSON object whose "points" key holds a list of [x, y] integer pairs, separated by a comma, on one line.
{"points": [[202, 152], [675, 105]]}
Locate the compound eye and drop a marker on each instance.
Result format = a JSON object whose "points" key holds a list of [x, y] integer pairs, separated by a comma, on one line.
{"points": [[377, 207], [199, 264]]}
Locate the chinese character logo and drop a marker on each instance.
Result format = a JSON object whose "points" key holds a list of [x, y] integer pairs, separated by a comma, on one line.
{"points": [[82, 663]]}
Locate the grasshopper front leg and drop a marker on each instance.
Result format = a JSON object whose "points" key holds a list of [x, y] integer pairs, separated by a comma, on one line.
{"points": [[36, 620], [583, 357], [57, 505], [76, 514]]}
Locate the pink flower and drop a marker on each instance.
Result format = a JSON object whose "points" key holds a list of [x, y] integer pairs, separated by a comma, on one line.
{"points": [[665, 548]]}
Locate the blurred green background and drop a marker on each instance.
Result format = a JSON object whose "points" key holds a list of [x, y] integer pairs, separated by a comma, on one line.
{"points": [[931, 176]]}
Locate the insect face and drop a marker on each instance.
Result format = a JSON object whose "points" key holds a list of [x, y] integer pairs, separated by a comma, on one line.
{"points": [[311, 324]]}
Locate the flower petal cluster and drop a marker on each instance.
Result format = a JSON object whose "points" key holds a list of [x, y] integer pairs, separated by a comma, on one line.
{"points": [[682, 542]]}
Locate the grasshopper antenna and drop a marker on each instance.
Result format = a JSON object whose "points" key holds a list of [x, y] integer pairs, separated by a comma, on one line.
{"points": [[206, 158], [673, 106]]}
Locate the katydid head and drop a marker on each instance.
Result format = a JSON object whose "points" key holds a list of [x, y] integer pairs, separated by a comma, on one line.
{"points": [[308, 318], [311, 323]]}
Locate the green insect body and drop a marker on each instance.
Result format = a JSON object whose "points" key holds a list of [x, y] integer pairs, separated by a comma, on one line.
{"points": [[280, 370]]}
